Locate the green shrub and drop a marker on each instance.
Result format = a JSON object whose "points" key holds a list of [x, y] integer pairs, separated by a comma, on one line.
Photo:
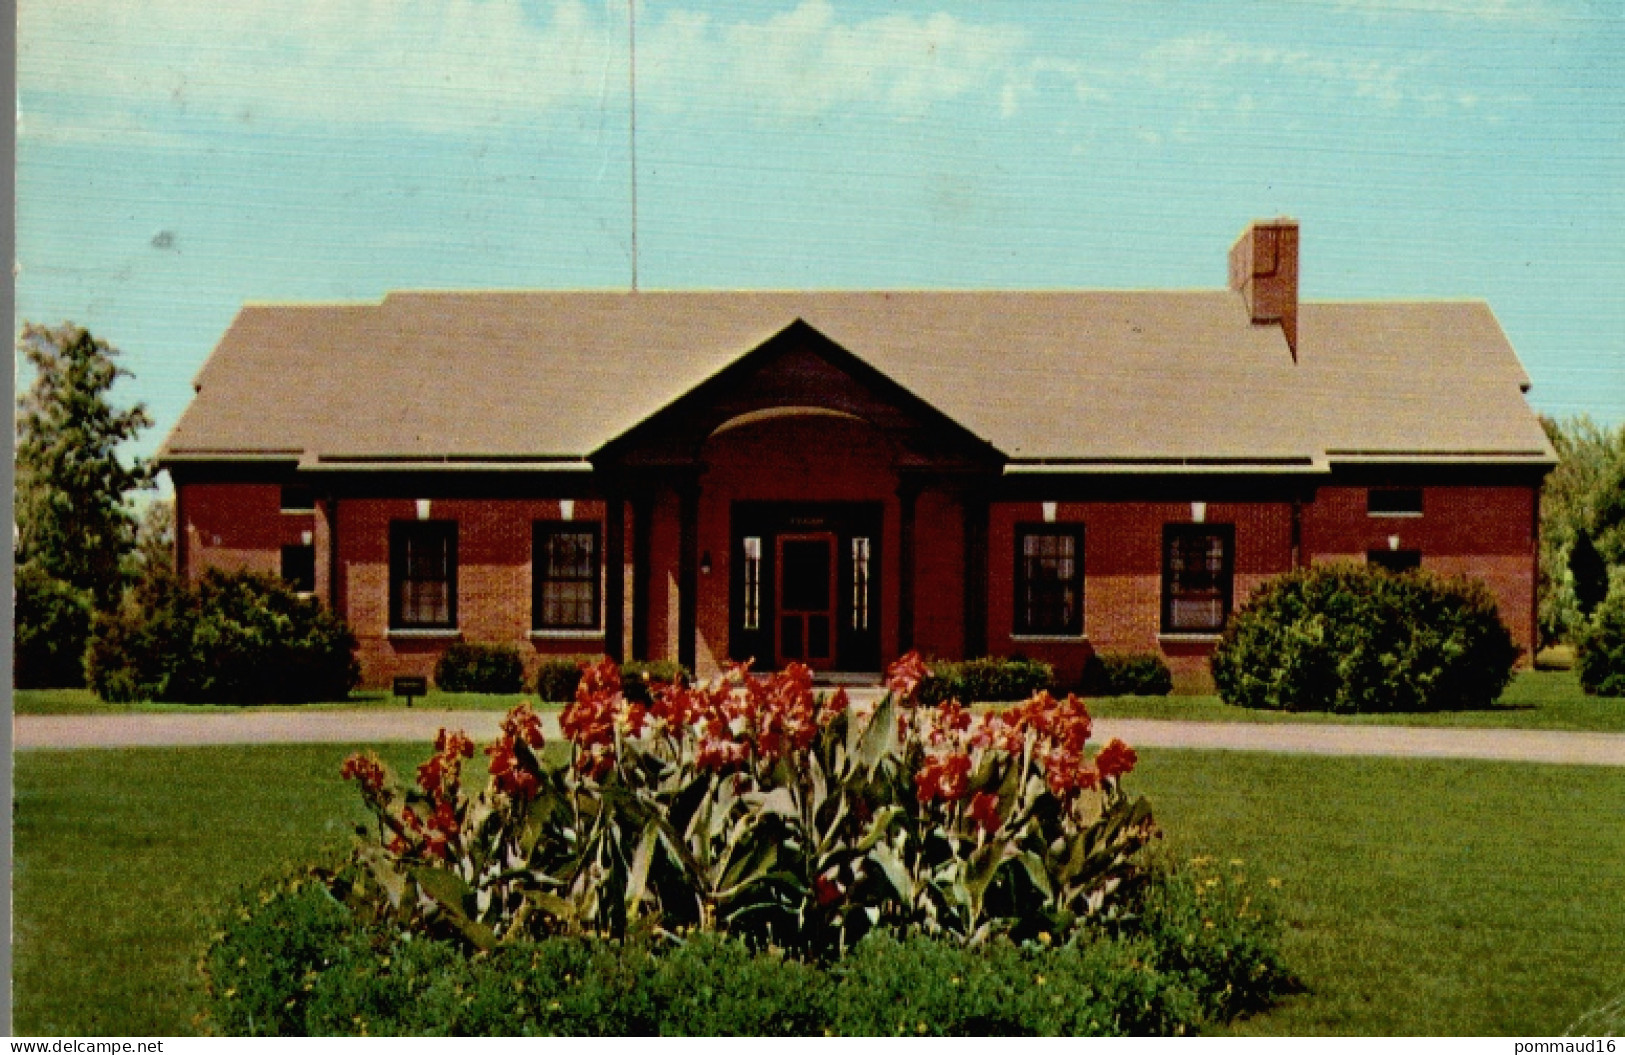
{"points": [[260, 961], [293, 961], [1353, 639], [50, 629], [639, 676], [472, 666], [558, 676], [1599, 655], [1108, 674], [716, 987], [234, 637], [1213, 927], [992, 679]]}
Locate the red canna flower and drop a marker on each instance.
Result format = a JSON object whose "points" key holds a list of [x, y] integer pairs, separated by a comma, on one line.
{"points": [[832, 706], [1115, 760], [984, 811], [945, 777], [825, 891], [511, 777], [523, 723], [904, 676], [367, 771]]}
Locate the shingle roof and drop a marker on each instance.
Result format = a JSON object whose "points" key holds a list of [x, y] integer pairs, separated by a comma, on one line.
{"points": [[1045, 377]]}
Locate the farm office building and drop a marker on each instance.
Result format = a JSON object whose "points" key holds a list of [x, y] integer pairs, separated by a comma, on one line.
{"points": [[839, 477]]}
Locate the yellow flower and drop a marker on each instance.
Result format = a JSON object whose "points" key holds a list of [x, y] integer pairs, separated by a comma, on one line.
{"points": [[1274, 882]]}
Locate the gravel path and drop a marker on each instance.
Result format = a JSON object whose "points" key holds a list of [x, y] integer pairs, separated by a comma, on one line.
{"points": [[278, 727]]}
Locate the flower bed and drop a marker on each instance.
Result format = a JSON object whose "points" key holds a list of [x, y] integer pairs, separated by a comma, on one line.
{"points": [[756, 816]]}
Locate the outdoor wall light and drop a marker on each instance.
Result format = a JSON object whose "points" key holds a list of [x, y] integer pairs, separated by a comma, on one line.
{"points": [[705, 563]]}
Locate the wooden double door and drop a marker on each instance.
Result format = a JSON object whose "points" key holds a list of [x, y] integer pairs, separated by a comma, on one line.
{"points": [[806, 584]]}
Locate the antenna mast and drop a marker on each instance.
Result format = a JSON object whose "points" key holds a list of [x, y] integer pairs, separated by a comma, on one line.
{"points": [[632, 78]]}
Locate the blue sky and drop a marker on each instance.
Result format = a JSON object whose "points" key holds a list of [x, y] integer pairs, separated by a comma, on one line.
{"points": [[177, 159]]}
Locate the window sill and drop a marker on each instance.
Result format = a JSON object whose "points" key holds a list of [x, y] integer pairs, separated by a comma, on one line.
{"points": [[1051, 639], [1191, 637], [567, 635], [430, 633], [1395, 516]]}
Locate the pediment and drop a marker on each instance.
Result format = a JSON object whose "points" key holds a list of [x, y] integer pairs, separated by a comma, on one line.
{"points": [[800, 372]]}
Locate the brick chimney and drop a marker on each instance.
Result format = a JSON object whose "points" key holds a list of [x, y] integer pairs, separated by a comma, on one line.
{"points": [[1264, 270]]}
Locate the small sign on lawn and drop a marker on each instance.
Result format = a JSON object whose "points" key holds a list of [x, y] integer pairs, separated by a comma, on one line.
{"points": [[411, 687]]}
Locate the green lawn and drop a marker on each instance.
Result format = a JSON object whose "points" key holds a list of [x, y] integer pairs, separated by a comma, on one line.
{"points": [[83, 701], [1534, 700], [1423, 896]]}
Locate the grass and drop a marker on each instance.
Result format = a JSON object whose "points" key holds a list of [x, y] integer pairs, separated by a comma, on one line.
{"points": [[1546, 699], [1423, 896], [84, 702], [1535, 700]]}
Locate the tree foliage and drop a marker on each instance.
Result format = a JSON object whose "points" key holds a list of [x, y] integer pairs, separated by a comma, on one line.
{"points": [[74, 522], [1582, 523]]}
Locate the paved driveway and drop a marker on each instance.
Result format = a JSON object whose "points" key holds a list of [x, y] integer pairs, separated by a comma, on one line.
{"points": [[278, 727]]}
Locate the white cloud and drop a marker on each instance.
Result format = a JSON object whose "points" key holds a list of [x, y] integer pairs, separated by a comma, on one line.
{"points": [[450, 63], [1496, 10], [1202, 68]]}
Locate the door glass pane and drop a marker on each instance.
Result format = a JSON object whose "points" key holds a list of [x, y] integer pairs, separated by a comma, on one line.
{"points": [[818, 637], [860, 584], [790, 637], [753, 583], [805, 575]]}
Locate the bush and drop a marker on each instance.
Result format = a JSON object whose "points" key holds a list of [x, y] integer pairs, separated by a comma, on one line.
{"points": [[557, 678], [1107, 674], [639, 677], [235, 637], [989, 680], [293, 961], [1355, 639], [1599, 655], [470, 666], [1212, 928], [50, 629]]}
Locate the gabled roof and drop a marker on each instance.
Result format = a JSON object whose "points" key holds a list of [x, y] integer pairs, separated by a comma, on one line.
{"points": [[1048, 379]]}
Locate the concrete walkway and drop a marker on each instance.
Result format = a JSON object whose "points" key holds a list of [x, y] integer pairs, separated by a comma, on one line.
{"points": [[280, 727]]}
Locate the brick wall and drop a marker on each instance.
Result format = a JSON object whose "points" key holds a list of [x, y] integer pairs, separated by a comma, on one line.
{"points": [[493, 580], [239, 527], [1122, 578], [1486, 532]]}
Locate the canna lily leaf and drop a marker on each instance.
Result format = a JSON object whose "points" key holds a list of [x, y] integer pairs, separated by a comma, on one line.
{"points": [[879, 736]]}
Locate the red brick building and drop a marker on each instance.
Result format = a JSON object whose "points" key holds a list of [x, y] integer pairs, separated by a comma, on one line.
{"points": [[838, 477]]}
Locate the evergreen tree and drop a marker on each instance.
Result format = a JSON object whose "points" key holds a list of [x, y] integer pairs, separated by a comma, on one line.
{"points": [[74, 522]]}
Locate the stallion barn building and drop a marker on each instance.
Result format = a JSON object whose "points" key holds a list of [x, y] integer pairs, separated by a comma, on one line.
{"points": [[835, 478]]}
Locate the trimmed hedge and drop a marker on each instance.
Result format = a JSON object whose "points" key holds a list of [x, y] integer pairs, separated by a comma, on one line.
{"points": [[235, 637], [1130, 674], [1353, 638], [992, 679], [557, 678], [1599, 654], [50, 629], [472, 666], [292, 961]]}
